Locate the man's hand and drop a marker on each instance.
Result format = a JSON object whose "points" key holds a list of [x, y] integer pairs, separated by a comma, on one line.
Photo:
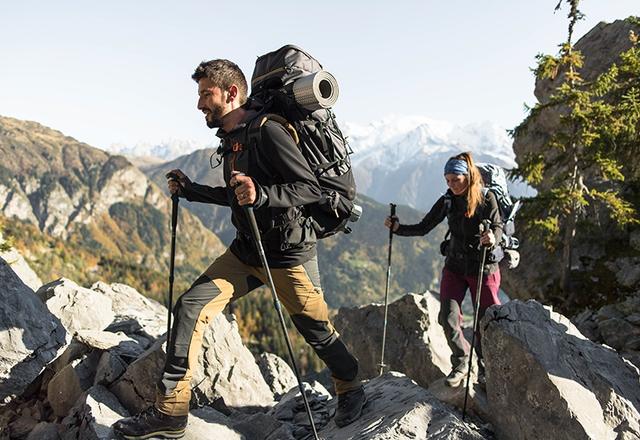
{"points": [[245, 189], [392, 223], [176, 180]]}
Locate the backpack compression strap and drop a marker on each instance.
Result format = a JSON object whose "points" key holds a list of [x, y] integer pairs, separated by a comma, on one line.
{"points": [[259, 122]]}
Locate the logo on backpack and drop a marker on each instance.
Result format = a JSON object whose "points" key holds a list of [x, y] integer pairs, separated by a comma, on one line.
{"points": [[289, 86]]}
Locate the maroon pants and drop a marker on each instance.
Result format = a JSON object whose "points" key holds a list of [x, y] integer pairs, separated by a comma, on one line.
{"points": [[453, 288]]}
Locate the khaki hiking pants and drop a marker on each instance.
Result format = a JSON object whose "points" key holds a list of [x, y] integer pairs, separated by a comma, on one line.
{"points": [[228, 279]]}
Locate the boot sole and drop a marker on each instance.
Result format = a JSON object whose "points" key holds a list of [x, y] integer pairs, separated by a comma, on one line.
{"points": [[161, 434]]}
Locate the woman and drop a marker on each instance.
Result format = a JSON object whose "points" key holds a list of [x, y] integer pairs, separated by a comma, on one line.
{"points": [[466, 206]]}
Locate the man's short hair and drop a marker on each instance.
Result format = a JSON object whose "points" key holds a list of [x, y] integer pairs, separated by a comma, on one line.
{"points": [[223, 74]]}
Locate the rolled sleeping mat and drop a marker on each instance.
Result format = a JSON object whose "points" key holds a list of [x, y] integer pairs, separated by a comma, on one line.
{"points": [[316, 91]]}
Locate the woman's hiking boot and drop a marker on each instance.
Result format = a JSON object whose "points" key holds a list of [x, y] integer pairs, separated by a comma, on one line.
{"points": [[350, 406], [150, 423]]}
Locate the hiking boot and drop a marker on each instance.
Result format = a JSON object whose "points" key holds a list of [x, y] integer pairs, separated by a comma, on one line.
{"points": [[150, 423], [350, 406], [457, 375]]}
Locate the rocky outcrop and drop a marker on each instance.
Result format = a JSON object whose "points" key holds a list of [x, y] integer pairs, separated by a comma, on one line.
{"points": [[415, 342], [544, 377], [277, 373], [604, 260], [78, 308], [30, 335], [398, 409], [616, 325], [21, 268], [227, 371]]}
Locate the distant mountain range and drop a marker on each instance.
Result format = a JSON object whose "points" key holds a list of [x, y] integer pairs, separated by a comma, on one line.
{"points": [[95, 209], [398, 159]]}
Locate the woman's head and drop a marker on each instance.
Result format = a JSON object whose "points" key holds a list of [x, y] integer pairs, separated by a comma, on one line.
{"points": [[462, 178]]}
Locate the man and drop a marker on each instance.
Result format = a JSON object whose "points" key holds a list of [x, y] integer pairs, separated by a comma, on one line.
{"points": [[277, 188]]}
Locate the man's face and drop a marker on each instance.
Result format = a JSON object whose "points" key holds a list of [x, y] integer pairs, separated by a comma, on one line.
{"points": [[213, 102]]}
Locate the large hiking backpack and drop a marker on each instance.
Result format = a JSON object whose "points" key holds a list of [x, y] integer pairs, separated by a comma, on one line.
{"points": [[277, 96], [495, 180]]}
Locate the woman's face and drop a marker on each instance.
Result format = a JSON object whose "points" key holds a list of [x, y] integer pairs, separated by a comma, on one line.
{"points": [[457, 183]]}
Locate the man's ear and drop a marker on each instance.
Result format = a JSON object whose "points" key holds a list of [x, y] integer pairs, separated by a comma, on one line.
{"points": [[232, 93]]}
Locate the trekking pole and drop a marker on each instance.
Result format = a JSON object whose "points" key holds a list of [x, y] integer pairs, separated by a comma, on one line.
{"points": [[174, 224], [392, 208], [484, 226], [276, 302]]}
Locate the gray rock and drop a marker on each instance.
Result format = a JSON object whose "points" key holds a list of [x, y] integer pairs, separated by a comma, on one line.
{"points": [[110, 368], [63, 391], [544, 377], [100, 339], [44, 431], [226, 369], [207, 423], [415, 342], [92, 416], [136, 388], [129, 304], [78, 308], [398, 409], [30, 336], [21, 268], [277, 373]]}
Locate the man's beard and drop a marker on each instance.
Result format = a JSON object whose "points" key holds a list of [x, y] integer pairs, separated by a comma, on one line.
{"points": [[214, 119]]}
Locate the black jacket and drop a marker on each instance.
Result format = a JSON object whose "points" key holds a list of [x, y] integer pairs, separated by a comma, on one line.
{"points": [[284, 183], [463, 255]]}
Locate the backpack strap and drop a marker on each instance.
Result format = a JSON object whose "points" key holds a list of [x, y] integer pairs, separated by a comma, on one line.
{"points": [[256, 125]]}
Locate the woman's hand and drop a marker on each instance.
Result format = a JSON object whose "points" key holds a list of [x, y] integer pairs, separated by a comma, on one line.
{"points": [[392, 223], [487, 238]]}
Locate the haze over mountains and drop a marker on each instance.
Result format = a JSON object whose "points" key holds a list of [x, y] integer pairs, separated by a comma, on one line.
{"points": [[397, 159]]}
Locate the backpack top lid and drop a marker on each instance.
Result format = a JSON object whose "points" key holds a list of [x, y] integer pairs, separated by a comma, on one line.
{"points": [[281, 67]]}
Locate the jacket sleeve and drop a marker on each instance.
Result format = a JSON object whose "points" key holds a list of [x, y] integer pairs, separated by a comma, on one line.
{"points": [[299, 186], [492, 213], [194, 192], [437, 213]]}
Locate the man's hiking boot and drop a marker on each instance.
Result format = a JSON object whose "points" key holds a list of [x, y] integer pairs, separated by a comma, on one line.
{"points": [[350, 406], [457, 375], [150, 423]]}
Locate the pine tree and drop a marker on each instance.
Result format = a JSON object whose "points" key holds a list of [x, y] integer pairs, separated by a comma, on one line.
{"points": [[597, 133]]}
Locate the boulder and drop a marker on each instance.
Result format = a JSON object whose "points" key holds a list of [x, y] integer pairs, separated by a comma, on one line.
{"points": [[129, 305], [227, 370], [543, 377], [63, 390], [78, 308], [292, 411], [21, 268], [415, 343], [397, 409], [277, 373], [30, 335], [136, 388], [92, 416], [207, 423]]}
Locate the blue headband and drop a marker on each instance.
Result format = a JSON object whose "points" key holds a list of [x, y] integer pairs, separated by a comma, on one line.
{"points": [[456, 166]]}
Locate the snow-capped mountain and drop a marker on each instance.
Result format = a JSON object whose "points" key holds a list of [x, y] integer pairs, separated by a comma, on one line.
{"points": [[165, 150], [400, 159], [397, 159]]}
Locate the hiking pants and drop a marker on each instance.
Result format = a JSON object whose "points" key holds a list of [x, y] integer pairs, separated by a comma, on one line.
{"points": [[453, 287], [228, 279]]}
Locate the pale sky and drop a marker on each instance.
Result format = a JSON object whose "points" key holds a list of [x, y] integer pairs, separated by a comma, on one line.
{"points": [[118, 72]]}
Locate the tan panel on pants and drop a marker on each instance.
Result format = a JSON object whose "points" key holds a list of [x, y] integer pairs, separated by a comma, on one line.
{"points": [[295, 290]]}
